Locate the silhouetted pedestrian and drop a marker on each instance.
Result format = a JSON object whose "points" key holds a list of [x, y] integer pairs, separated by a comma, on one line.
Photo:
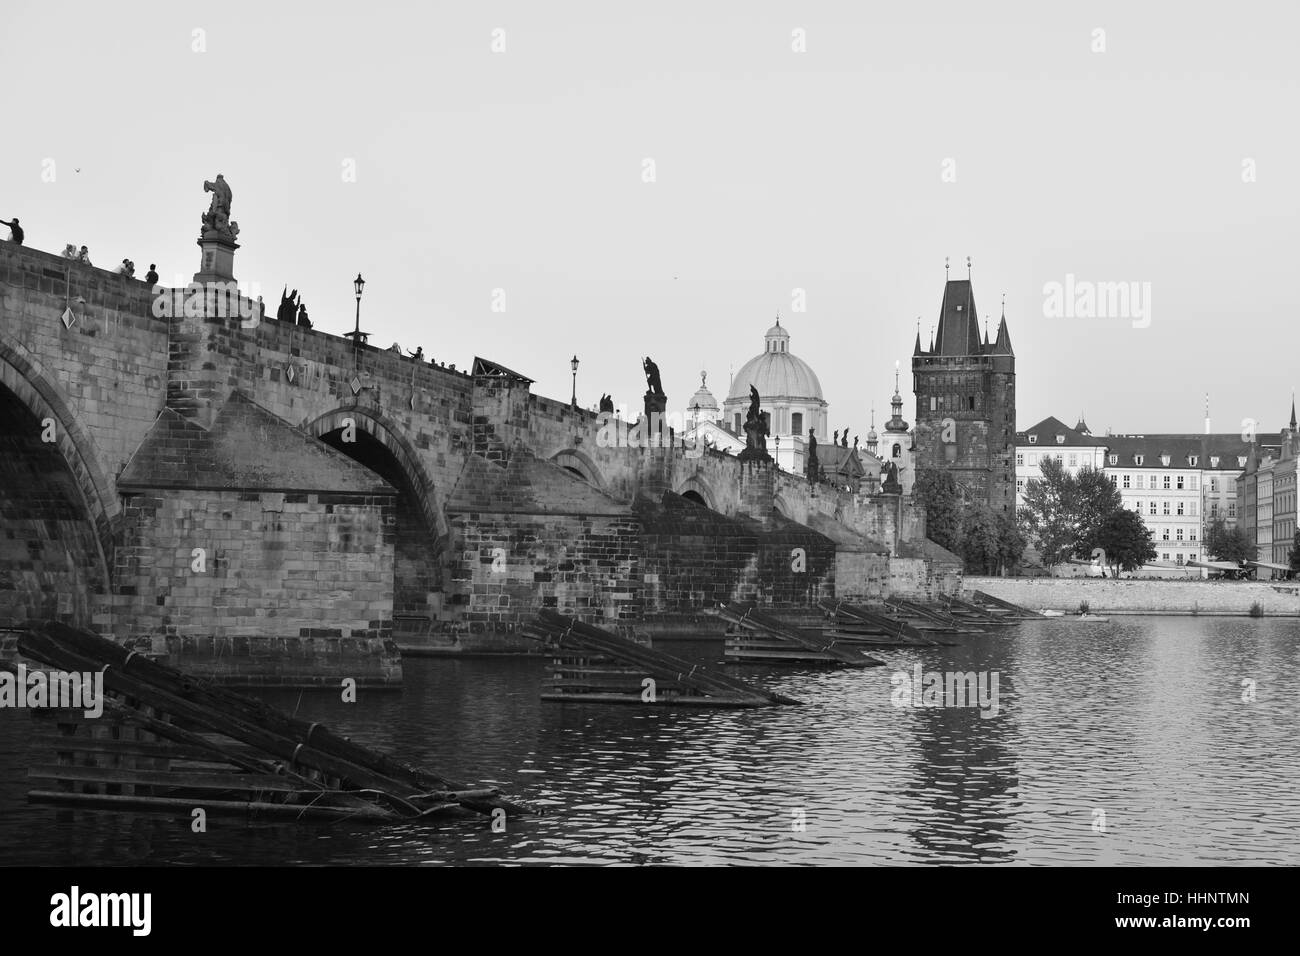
{"points": [[15, 230], [151, 276], [84, 256]]}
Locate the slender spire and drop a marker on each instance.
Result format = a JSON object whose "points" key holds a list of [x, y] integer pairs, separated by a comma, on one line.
{"points": [[1293, 422], [968, 268], [945, 268]]}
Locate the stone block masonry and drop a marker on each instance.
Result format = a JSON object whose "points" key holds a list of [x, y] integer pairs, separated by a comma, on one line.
{"points": [[1136, 596], [341, 487]]}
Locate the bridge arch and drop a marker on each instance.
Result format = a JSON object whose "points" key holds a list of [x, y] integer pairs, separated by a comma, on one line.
{"points": [[580, 464], [61, 512], [419, 527], [387, 433], [695, 488]]}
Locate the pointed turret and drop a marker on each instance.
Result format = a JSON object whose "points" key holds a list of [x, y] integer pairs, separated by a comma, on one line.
{"points": [[1002, 346], [959, 331]]}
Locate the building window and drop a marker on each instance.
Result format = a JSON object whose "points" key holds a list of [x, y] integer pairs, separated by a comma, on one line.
{"points": [[1192, 460], [1166, 504], [1214, 461], [1214, 484], [1153, 508], [1164, 534], [898, 451], [1137, 459], [796, 423], [1020, 485], [1180, 559], [1191, 535], [1114, 459], [1020, 460], [1112, 481], [737, 423], [1214, 509], [1166, 482], [1241, 461], [1191, 508], [1033, 459], [1033, 439], [1180, 507], [1126, 481], [1179, 534], [1138, 482], [970, 403], [1074, 461], [934, 404], [1138, 509], [1164, 460], [1232, 509]]}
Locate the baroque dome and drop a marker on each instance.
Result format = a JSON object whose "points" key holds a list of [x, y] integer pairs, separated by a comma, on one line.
{"points": [[776, 373]]}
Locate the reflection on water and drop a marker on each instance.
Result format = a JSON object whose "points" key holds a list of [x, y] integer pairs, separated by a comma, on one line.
{"points": [[1141, 720]]}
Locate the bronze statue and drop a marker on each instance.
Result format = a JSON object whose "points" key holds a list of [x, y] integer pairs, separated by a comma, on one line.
{"points": [[844, 441], [835, 438], [756, 430], [606, 403], [652, 378], [813, 467], [303, 320]]}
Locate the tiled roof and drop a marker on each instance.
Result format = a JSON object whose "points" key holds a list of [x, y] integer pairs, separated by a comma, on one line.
{"points": [[1045, 433], [958, 323], [1227, 448]]}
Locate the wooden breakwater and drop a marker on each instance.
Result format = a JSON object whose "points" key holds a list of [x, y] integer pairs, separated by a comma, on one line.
{"points": [[167, 741], [593, 665]]}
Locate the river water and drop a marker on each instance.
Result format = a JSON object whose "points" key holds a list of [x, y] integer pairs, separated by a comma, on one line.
{"points": [[1132, 742]]}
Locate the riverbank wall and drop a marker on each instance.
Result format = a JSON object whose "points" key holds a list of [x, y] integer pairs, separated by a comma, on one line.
{"points": [[1142, 597]]}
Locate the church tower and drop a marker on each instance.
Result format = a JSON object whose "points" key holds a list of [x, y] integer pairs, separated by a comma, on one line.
{"points": [[966, 401]]}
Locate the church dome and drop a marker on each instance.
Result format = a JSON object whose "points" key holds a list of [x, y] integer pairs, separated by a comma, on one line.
{"points": [[776, 373], [702, 404]]}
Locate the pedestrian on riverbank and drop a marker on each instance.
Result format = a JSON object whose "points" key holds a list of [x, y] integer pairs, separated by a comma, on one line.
{"points": [[151, 276]]}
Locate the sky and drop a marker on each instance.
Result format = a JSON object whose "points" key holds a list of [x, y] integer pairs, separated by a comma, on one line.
{"points": [[664, 179]]}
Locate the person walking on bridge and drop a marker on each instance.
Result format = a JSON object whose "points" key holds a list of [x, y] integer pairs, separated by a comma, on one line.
{"points": [[15, 230]]}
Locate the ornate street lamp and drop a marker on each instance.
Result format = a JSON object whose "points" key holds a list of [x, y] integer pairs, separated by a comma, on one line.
{"points": [[573, 364], [356, 334]]}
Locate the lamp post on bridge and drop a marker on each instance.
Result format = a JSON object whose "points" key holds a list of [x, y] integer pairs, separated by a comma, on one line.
{"points": [[573, 364], [356, 335]]}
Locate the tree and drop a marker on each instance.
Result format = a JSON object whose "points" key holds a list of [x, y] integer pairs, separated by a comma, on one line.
{"points": [[1228, 544], [1046, 512], [1125, 540], [979, 539], [1094, 500], [938, 495], [1011, 542]]}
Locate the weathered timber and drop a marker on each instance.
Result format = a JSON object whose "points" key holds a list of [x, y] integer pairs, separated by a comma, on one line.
{"points": [[756, 635], [992, 605], [862, 624], [241, 745], [592, 664]]}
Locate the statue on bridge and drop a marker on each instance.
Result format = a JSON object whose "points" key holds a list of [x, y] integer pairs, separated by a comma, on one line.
{"points": [[216, 221], [755, 431], [813, 468], [606, 403], [652, 378], [655, 399], [891, 484]]}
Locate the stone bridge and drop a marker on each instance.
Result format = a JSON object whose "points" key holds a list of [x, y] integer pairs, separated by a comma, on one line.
{"points": [[202, 478]]}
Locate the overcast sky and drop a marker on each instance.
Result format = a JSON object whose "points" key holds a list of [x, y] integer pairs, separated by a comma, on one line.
{"points": [[775, 170]]}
